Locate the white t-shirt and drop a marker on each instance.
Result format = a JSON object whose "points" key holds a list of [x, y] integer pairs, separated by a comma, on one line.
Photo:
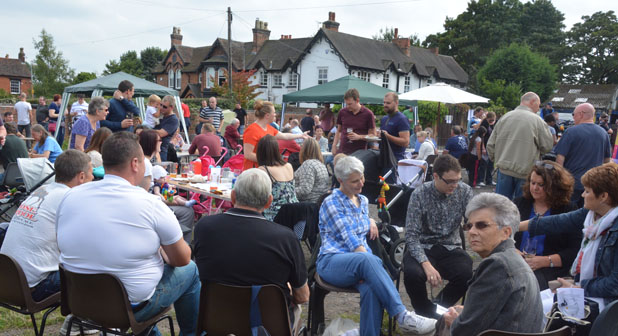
{"points": [[81, 109], [148, 170], [425, 150], [150, 121], [120, 233], [31, 237], [23, 112]]}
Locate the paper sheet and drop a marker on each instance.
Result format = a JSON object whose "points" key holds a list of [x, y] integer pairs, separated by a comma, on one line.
{"points": [[571, 302]]}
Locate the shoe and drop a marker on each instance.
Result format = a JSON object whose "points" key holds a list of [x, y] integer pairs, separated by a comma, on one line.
{"points": [[410, 322], [477, 187], [493, 183], [75, 328], [481, 184]]}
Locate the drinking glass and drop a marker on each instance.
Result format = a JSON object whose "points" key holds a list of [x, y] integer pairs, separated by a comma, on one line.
{"points": [[349, 130], [530, 248]]}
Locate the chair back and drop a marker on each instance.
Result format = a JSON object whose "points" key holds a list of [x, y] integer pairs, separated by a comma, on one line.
{"points": [[14, 288], [12, 176], [564, 331], [607, 321], [225, 309]]}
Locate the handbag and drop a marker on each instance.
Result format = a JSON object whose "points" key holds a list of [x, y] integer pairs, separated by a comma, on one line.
{"points": [[556, 320], [51, 127]]}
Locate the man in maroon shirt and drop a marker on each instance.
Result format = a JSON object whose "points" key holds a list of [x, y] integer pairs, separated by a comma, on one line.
{"points": [[207, 138], [354, 124]]}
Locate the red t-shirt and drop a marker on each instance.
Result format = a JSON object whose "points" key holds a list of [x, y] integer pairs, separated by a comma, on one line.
{"points": [[185, 110], [291, 145], [361, 123], [252, 135], [213, 142]]}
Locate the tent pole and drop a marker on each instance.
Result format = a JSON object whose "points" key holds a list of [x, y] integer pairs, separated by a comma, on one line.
{"points": [[282, 115], [65, 103], [181, 116]]}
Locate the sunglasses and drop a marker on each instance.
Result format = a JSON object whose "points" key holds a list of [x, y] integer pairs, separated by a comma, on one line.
{"points": [[449, 181], [164, 106], [478, 225], [542, 164]]}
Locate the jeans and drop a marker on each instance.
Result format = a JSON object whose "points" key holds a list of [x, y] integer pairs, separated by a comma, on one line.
{"points": [[377, 290], [486, 172], [187, 124], [47, 286], [454, 266], [60, 137], [508, 186], [241, 129], [180, 286]]}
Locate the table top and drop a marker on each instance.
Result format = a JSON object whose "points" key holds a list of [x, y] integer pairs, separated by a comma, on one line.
{"points": [[200, 188]]}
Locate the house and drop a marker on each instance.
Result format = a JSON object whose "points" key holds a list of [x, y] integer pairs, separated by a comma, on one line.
{"points": [[290, 64], [602, 97], [15, 76]]}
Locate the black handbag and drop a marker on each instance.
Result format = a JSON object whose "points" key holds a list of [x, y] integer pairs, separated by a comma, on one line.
{"points": [[555, 319]]}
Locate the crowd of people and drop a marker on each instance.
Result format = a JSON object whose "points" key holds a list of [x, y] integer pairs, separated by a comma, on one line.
{"points": [[547, 220]]}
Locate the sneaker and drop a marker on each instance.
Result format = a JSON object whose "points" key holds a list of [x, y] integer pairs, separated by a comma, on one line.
{"points": [[493, 183], [481, 184], [75, 328], [477, 187], [410, 322]]}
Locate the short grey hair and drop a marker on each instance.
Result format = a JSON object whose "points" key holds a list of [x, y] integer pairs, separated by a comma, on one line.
{"points": [[235, 121], [530, 97], [96, 104], [348, 165], [170, 100], [505, 212], [252, 188]]}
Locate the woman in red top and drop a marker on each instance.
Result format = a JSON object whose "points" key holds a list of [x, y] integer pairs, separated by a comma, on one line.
{"points": [[265, 115]]}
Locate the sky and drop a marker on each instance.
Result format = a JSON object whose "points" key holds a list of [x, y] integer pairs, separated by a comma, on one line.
{"points": [[91, 33]]}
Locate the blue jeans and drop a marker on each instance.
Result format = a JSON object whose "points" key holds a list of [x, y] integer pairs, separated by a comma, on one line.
{"points": [[187, 124], [47, 286], [241, 129], [376, 292], [180, 286], [508, 186], [60, 137]]}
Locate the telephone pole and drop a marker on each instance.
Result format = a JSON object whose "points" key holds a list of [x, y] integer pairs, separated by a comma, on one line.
{"points": [[229, 49]]}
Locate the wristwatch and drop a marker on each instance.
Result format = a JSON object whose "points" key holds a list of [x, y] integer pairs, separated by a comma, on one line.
{"points": [[551, 263]]}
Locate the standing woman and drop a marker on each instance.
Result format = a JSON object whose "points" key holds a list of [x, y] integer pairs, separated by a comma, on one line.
{"points": [[478, 153], [94, 149], [54, 113], [86, 125], [265, 114], [311, 178], [46, 146]]}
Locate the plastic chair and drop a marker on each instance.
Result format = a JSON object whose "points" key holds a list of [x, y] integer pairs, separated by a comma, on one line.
{"points": [[564, 331], [16, 295], [607, 322], [100, 301], [12, 176], [224, 310]]}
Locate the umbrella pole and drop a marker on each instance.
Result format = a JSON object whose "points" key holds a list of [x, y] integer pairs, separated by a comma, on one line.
{"points": [[435, 133]]}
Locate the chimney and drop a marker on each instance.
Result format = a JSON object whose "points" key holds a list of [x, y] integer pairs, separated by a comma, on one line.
{"points": [[260, 35], [22, 55], [286, 37], [331, 24], [175, 36], [434, 50], [403, 43]]}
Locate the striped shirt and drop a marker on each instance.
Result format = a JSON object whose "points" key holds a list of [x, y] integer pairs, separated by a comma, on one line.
{"points": [[216, 115]]}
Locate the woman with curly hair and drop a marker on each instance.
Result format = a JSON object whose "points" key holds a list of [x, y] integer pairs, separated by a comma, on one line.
{"points": [[547, 191]]}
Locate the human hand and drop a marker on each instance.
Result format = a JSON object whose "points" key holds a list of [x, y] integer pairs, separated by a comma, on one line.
{"points": [[433, 276], [2, 140], [354, 136], [373, 229], [567, 283], [118, 94], [126, 123], [450, 316], [536, 262], [305, 135]]}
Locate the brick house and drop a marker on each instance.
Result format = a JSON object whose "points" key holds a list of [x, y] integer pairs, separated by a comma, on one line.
{"points": [[15, 76]]}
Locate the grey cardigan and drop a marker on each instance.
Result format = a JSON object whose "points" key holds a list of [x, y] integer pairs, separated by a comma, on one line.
{"points": [[503, 294]]}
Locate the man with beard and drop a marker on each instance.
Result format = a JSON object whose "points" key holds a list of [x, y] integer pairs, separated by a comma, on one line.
{"points": [[395, 125]]}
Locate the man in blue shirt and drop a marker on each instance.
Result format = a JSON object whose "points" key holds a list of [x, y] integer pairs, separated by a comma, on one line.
{"points": [[395, 126], [475, 121], [121, 109], [167, 125], [457, 144]]}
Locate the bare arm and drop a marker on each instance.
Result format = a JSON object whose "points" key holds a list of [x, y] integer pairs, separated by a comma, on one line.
{"points": [[145, 183], [162, 133], [178, 254], [560, 159], [44, 155], [300, 295], [80, 140], [606, 160], [32, 116], [290, 136], [248, 151], [403, 139], [336, 140]]}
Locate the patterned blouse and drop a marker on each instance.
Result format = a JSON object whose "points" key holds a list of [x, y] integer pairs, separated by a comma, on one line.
{"points": [[312, 181], [283, 193]]}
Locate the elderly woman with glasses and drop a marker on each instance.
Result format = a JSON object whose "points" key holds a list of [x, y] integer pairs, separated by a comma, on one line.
{"points": [[345, 259], [503, 294], [84, 128]]}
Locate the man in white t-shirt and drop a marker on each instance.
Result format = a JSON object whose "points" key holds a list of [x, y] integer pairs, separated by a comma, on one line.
{"points": [[79, 108], [131, 234], [25, 114], [31, 237]]}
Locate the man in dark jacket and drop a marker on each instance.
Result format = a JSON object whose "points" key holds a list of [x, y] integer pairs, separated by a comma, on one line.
{"points": [[121, 109]]}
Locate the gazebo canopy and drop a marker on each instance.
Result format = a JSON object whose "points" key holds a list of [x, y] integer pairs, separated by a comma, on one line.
{"points": [[108, 84]]}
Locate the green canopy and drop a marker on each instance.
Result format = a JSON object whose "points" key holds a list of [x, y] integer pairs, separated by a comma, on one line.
{"points": [[332, 92], [108, 84]]}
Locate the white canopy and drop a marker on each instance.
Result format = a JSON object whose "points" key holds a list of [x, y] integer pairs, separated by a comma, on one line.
{"points": [[443, 93]]}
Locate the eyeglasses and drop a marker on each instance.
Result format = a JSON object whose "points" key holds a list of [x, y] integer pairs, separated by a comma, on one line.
{"points": [[164, 106], [542, 164], [478, 225], [450, 181]]}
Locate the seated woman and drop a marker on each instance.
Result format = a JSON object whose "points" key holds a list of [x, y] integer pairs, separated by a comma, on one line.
{"points": [[345, 259], [547, 191], [94, 149], [312, 180], [503, 293], [596, 265], [427, 147], [280, 172], [46, 146], [208, 138]]}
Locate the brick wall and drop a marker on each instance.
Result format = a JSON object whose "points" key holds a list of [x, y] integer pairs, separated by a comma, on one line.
{"points": [[26, 84]]}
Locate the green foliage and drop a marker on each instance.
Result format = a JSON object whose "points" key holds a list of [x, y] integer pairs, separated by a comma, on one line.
{"points": [[242, 89], [501, 93], [196, 103], [516, 64], [83, 77], [592, 53], [150, 57], [4, 94], [387, 34], [51, 71], [129, 63]]}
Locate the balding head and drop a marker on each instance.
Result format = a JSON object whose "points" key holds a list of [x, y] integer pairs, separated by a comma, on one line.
{"points": [[583, 113], [212, 102], [531, 100]]}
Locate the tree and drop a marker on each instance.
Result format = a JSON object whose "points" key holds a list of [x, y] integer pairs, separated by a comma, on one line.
{"points": [[83, 77], [150, 57], [129, 63], [51, 71], [517, 64], [242, 89], [592, 50], [501, 93], [387, 34]]}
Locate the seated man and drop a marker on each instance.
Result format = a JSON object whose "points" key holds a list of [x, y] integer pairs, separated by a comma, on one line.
{"points": [[208, 138], [241, 247], [13, 148], [503, 294], [457, 144], [131, 234], [231, 134], [434, 250]]}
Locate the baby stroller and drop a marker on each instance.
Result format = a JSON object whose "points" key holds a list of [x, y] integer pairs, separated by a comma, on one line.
{"points": [[235, 163], [209, 204]]}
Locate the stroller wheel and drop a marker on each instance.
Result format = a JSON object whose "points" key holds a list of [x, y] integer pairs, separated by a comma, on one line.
{"points": [[397, 251]]}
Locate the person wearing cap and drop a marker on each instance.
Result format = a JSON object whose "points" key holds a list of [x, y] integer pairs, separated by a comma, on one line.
{"points": [[548, 109]]}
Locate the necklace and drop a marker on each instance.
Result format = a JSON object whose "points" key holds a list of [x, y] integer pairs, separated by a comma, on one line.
{"points": [[540, 210]]}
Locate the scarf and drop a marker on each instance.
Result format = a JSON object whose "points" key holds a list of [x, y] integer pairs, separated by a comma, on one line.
{"points": [[593, 230]]}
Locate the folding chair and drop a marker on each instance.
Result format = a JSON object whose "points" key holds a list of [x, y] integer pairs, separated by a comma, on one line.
{"points": [[607, 322], [564, 331]]}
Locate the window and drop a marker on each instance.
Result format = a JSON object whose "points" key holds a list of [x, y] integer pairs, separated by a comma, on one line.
{"points": [[575, 91], [199, 78], [210, 72], [406, 84], [293, 80], [174, 58], [364, 75], [322, 75], [558, 99], [178, 78], [277, 79], [385, 79], [264, 79], [170, 78], [222, 78], [15, 86], [581, 100]]}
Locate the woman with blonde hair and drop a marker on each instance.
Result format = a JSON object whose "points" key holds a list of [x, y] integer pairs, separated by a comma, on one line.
{"points": [[311, 178]]}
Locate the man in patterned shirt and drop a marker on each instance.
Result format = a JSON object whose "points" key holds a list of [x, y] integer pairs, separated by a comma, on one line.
{"points": [[212, 114], [435, 213]]}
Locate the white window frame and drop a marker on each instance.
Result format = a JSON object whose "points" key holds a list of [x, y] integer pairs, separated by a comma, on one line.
{"points": [[385, 80], [264, 79], [178, 79], [170, 78], [364, 75], [209, 80], [199, 78], [406, 84], [322, 75], [13, 89], [293, 82], [221, 76], [277, 79]]}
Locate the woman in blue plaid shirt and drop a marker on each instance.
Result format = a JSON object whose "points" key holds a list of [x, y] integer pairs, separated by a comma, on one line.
{"points": [[346, 260]]}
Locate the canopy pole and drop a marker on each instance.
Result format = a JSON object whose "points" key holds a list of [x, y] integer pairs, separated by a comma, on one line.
{"points": [[65, 103], [181, 116], [282, 115]]}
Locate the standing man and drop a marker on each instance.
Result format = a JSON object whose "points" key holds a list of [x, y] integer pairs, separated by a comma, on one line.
{"points": [[434, 252], [42, 113], [354, 124], [79, 108], [212, 114], [604, 123], [167, 125], [327, 118], [131, 234], [518, 140], [186, 113], [241, 115], [121, 109], [307, 123], [582, 147], [25, 115], [395, 126]]}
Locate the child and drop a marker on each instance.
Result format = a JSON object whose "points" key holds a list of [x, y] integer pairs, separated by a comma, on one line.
{"points": [[152, 111], [159, 174]]}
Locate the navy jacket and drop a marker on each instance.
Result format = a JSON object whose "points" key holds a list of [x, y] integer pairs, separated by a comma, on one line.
{"points": [[119, 110]]}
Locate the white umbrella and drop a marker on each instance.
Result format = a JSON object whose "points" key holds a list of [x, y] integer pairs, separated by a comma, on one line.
{"points": [[443, 93]]}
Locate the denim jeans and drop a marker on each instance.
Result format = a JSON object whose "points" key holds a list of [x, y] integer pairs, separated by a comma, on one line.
{"points": [[241, 129], [508, 186], [60, 137], [47, 286], [377, 290], [180, 286]]}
